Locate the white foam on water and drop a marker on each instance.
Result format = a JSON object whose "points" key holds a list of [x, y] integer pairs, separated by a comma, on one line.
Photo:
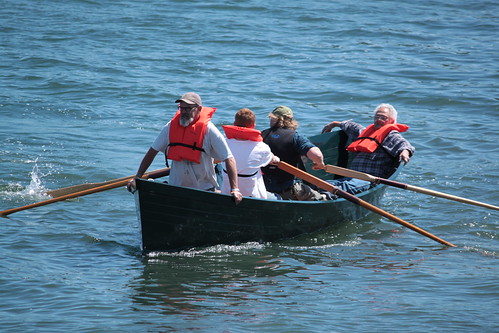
{"points": [[33, 191]]}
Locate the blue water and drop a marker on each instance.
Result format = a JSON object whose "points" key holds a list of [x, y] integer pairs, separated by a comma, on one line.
{"points": [[87, 85]]}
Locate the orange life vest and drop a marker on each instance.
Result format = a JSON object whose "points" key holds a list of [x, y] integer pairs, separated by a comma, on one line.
{"points": [[370, 138], [242, 133], [186, 143]]}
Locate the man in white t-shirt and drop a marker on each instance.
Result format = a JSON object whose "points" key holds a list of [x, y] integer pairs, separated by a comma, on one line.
{"points": [[251, 153], [192, 142]]}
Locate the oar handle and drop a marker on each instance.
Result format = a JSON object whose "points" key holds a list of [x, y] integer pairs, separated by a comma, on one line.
{"points": [[156, 173], [349, 173], [329, 187]]}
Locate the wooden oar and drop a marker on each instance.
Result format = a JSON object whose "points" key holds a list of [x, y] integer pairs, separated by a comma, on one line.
{"points": [[330, 188], [367, 177], [153, 174], [81, 187]]}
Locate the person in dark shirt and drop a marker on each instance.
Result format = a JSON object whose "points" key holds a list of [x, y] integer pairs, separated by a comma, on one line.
{"points": [[286, 143]]}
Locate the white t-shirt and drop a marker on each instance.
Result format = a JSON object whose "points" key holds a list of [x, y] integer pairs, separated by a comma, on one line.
{"points": [[250, 156], [189, 174]]}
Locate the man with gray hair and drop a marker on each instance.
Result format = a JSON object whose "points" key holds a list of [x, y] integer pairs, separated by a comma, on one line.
{"points": [[378, 148]]}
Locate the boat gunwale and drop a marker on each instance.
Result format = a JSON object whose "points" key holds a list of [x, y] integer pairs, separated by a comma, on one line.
{"points": [[337, 200]]}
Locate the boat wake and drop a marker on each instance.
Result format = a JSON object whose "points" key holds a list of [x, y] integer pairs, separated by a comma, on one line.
{"points": [[221, 248], [244, 248], [348, 243]]}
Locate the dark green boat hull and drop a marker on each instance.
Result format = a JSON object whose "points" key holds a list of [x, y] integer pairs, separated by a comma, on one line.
{"points": [[175, 218]]}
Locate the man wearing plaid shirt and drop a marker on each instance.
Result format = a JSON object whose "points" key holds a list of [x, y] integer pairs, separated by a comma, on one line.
{"points": [[384, 160]]}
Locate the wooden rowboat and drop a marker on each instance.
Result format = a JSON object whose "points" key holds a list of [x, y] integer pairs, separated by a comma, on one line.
{"points": [[174, 218]]}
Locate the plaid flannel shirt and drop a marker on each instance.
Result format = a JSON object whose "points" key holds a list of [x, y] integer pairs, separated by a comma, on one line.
{"points": [[382, 162]]}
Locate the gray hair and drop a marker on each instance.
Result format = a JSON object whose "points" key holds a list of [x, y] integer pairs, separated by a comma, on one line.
{"points": [[391, 109]]}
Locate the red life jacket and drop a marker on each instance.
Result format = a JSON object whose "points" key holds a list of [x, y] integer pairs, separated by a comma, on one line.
{"points": [[242, 133], [186, 143], [370, 138]]}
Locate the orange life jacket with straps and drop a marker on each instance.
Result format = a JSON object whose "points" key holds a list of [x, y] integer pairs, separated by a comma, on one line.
{"points": [[242, 133], [370, 138], [186, 143]]}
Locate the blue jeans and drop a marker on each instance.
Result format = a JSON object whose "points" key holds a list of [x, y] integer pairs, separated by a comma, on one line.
{"points": [[351, 185]]}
